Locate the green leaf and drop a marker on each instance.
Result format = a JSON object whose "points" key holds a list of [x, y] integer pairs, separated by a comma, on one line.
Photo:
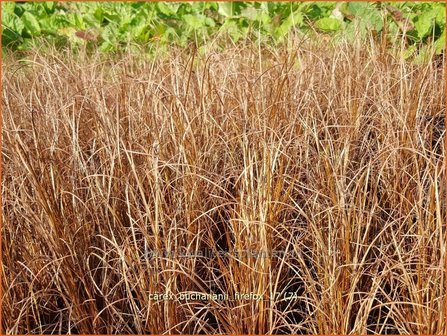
{"points": [[264, 18], [165, 9], [233, 29], [8, 7], [112, 17], [328, 24], [107, 46], [439, 44], [367, 17], [238, 6], [358, 8], [440, 14], [12, 28], [18, 9], [294, 19], [226, 9], [425, 22], [50, 7], [375, 21], [168, 35], [195, 21], [210, 22], [31, 24], [98, 14], [250, 13]]}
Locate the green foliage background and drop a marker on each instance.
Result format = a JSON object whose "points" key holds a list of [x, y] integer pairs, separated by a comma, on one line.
{"points": [[112, 26]]}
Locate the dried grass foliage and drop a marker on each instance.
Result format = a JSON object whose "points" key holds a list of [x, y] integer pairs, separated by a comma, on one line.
{"points": [[332, 154]]}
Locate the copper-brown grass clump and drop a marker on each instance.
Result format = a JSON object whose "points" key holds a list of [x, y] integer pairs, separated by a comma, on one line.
{"points": [[332, 158]]}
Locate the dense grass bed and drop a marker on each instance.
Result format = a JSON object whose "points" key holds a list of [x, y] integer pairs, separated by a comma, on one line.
{"points": [[124, 179]]}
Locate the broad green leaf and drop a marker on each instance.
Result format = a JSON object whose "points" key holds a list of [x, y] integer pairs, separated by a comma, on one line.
{"points": [[195, 21], [264, 18], [107, 46], [232, 28], [424, 23], [238, 6], [440, 14], [168, 35], [109, 34], [294, 19], [8, 7], [12, 28], [367, 17], [312, 11], [250, 13], [75, 20], [19, 9], [439, 44], [357, 8], [112, 17], [210, 22], [226, 9], [375, 21], [50, 7], [165, 9], [99, 14], [328, 24], [31, 24]]}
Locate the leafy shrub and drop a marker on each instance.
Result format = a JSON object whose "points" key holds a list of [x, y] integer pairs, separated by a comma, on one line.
{"points": [[116, 24]]}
